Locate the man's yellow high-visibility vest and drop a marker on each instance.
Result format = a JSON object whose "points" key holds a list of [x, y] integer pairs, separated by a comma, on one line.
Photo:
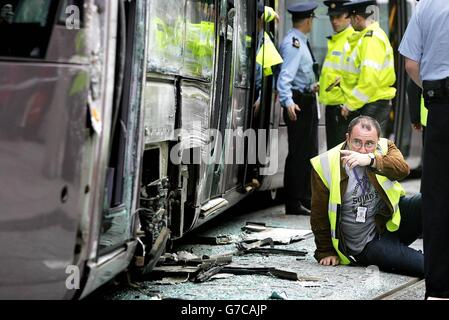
{"points": [[328, 166], [269, 14], [268, 55], [369, 68], [332, 68], [423, 112]]}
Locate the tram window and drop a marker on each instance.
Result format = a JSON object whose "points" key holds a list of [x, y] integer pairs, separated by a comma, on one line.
{"points": [[166, 31], [199, 39], [25, 27]]}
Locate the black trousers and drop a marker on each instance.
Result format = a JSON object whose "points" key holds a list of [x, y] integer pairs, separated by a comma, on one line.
{"points": [[435, 195], [336, 126], [302, 146]]}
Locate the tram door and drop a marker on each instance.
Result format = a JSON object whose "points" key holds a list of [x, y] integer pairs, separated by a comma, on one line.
{"points": [[236, 48]]}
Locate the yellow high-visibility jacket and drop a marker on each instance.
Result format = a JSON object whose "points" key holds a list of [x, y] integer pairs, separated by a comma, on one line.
{"points": [[332, 68], [369, 68], [423, 112]]}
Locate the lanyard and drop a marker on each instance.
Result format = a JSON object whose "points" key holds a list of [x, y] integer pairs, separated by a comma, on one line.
{"points": [[363, 184]]}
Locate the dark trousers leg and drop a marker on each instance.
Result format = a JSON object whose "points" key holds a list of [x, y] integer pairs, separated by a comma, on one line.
{"points": [[379, 110], [302, 146], [336, 126], [390, 252], [435, 190]]}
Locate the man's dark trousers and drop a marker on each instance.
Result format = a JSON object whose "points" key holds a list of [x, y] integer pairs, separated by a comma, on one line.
{"points": [[435, 190], [302, 146]]}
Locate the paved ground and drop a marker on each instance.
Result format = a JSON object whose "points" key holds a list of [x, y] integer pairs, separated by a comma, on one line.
{"points": [[340, 282]]}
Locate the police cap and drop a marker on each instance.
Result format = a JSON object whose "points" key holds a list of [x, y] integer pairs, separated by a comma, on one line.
{"points": [[359, 6], [335, 7], [303, 10]]}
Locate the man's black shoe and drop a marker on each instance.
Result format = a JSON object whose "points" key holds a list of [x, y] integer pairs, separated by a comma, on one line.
{"points": [[297, 210]]}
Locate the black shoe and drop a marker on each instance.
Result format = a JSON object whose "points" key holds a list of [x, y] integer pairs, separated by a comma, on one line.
{"points": [[297, 210]]}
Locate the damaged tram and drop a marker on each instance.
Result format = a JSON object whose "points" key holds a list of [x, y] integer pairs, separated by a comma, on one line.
{"points": [[124, 125]]}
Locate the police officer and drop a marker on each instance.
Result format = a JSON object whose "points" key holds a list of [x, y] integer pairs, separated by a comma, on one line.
{"points": [[331, 94], [296, 87], [425, 48], [369, 66]]}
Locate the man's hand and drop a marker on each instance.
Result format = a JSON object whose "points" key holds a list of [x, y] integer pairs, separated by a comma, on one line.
{"points": [[345, 112], [354, 159], [417, 126], [256, 107], [315, 87], [292, 111], [330, 261]]}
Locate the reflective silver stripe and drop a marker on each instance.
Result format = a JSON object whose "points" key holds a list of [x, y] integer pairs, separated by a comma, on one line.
{"points": [[387, 64], [387, 185], [333, 65], [372, 64], [333, 234], [333, 207], [396, 207], [326, 168], [362, 97], [350, 68]]}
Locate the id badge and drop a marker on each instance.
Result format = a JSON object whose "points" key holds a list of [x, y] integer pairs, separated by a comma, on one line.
{"points": [[361, 214]]}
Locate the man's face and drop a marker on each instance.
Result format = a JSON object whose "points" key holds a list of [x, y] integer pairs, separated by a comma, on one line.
{"points": [[339, 22], [356, 22], [309, 24], [362, 140]]}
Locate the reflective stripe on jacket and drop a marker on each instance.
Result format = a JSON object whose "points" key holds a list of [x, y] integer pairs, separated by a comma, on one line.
{"points": [[333, 68]]}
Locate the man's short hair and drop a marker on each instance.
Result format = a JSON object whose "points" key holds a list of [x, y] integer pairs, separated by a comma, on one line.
{"points": [[298, 19], [366, 122]]}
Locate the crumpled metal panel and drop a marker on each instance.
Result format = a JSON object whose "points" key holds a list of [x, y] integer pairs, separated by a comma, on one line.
{"points": [[160, 111], [195, 116]]}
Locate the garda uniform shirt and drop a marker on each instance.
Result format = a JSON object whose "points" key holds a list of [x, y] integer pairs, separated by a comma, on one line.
{"points": [[426, 39], [360, 198], [297, 68]]}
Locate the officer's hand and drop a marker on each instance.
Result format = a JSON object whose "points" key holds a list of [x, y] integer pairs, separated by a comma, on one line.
{"points": [[330, 261], [256, 107], [292, 111], [315, 87], [344, 111], [353, 159], [417, 126]]}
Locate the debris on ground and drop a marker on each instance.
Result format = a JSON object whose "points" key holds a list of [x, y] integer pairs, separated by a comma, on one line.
{"points": [[270, 251], [280, 235], [268, 271], [278, 296]]}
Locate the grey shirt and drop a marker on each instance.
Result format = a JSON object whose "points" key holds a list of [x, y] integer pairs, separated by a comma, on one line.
{"points": [[359, 193]]}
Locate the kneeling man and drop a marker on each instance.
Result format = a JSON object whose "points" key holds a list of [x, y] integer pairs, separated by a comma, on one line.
{"points": [[360, 213]]}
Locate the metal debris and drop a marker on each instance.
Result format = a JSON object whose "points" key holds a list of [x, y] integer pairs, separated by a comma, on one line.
{"points": [[259, 231], [268, 271], [268, 251], [222, 239], [278, 296]]}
